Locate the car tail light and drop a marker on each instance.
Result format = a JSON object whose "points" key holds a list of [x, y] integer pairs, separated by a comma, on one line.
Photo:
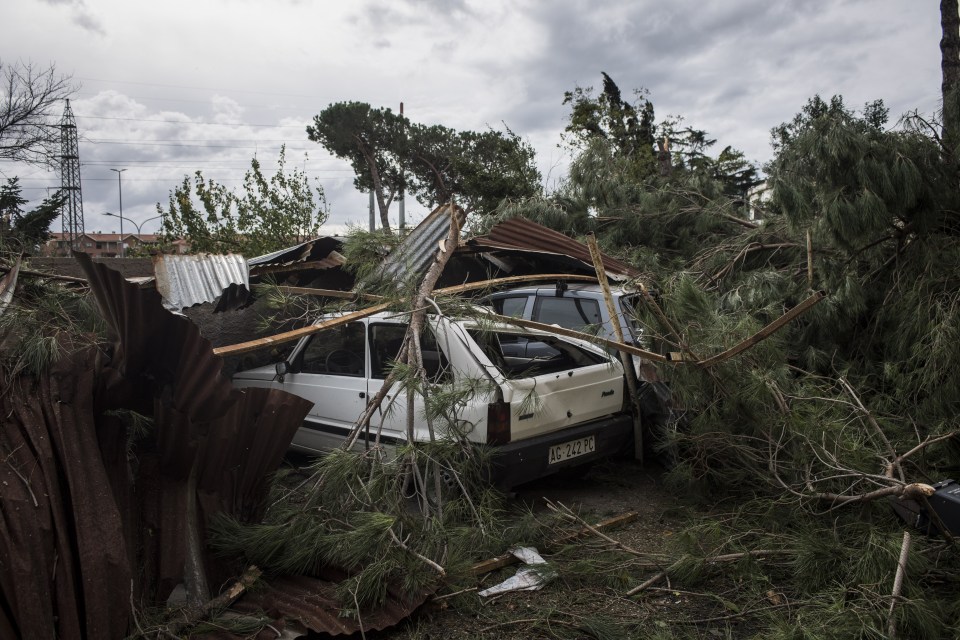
{"points": [[498, 422]]}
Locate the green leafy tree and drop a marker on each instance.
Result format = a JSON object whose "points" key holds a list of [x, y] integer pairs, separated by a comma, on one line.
{"points": [[268, 214], [372, 141], [480, 169], [628, 127], [389, 153]]}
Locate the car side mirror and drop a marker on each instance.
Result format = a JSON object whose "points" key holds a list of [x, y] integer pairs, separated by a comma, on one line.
{"points": [[282, 369]]}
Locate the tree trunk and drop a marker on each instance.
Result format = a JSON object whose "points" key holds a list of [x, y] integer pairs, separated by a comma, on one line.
{"points": [[377, 187], [664, 159], [950, 69]]}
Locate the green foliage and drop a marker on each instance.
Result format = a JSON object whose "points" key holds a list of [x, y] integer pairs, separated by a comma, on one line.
{"points": [[887, 246], [371, 140], [629, 128], [268, 215], [25, 232], [42, 323], [351, 513], [478, 169], [365, 252], [389, 153], [655, 205]]}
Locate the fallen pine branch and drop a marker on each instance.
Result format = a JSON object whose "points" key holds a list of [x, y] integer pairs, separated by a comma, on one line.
{"points": [[898, 585], [507, 559], [565, 512], [721, 559], [194, 615]]}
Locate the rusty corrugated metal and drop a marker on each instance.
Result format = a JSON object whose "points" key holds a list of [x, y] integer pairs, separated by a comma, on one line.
{"points": [[64, 567], [319, 250], [188, 280], [85, 532], [419, 249], [8, 284], [313, 603], [520, 234]]}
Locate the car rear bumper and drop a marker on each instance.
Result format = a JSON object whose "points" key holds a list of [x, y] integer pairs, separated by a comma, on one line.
{"points": [[525, 460]]}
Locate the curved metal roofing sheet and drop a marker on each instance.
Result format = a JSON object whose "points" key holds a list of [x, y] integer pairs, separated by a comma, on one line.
{"points": [[522, 234], [187, 280]]}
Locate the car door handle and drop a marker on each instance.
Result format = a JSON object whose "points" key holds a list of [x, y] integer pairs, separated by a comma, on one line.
{"points": [[363, 395]]}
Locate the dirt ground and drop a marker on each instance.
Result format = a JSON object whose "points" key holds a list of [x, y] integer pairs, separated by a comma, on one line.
{"points": [[576, 604]]}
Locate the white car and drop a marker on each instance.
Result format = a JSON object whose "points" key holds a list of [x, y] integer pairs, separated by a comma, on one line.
{"points": [[561, 408]]}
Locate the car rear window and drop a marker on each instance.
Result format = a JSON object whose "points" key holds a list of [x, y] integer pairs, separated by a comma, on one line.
{"points": [[523, 355]]}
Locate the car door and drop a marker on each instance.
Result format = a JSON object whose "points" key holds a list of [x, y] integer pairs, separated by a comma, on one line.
{"points": [[330, 371], [390, 420]]}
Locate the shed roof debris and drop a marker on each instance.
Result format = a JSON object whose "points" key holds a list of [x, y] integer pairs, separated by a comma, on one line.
{"points": [[188, 280]]}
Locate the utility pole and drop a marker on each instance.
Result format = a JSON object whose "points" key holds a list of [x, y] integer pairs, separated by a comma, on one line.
{"points": [[71, 216], [120, 187]]}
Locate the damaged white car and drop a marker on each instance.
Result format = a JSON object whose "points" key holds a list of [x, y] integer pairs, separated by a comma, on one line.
{"points": [[560, 407]]}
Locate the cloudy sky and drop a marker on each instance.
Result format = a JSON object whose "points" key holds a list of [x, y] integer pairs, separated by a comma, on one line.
{"points": [[167, 88]]}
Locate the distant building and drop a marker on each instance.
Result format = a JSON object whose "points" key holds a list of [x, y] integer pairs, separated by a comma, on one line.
{"points": [[107, 245], [757, 198]]}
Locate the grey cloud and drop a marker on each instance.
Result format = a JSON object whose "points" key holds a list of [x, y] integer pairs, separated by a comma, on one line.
{"points": [[88, 21], [82, 15]]}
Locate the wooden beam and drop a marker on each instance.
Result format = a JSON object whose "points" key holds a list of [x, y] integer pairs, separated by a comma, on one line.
{"points": [[629, 373], [474, 286], [328, 293], [767, 331], [296, 334], [609, 523]]}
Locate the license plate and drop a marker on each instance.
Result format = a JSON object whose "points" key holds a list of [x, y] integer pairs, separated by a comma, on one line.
{"points": [[572, 449]]}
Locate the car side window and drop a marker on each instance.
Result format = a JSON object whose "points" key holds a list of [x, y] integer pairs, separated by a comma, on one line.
{"points": [[512, 307], [570, 313], [386, 341], [340, 351]]}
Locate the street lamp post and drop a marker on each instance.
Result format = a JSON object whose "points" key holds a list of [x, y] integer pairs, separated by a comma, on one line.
{"points": [[120, 188], [133, 222]]}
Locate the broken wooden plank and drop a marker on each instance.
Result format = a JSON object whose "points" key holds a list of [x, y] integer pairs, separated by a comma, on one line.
{"points": [[493, 564], [328, 293], [296, 334], [614, 521], [628, 371], [475, 286], [767, 331]]}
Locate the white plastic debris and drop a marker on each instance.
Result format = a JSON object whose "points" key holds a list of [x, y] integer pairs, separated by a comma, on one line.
{"points": [[531, 577]]}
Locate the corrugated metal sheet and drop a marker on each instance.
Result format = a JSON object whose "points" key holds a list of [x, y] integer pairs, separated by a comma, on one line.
{"points": [[289, 255], [81, 522], [318, 250], [418, 250], [520, 234], [313, 603], [187, 280]]}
